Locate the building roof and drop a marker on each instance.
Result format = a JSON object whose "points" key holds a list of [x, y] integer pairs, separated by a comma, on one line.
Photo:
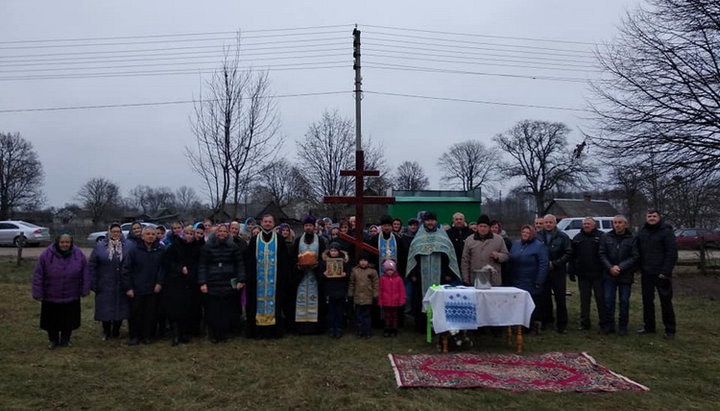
{"points": [[571, 207]]}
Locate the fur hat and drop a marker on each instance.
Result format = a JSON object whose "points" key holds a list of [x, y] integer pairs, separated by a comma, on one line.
{"points": [[483, 219]]}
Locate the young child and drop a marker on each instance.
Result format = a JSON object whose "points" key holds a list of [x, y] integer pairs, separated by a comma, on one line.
{"points": [[392, 297], [335, 287], [363, 289]]}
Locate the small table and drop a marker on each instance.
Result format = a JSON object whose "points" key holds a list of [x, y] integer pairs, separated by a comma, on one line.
{"points": [[467, 308]]}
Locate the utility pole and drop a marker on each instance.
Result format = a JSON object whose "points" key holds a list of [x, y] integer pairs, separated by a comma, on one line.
{"points": [[358, 88]]}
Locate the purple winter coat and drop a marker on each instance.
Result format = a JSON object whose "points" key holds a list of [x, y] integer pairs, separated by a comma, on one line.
{"points": [[61, 279]]}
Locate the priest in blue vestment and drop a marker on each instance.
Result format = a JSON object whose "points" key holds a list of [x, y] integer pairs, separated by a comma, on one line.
{"points": [[308, 274]]}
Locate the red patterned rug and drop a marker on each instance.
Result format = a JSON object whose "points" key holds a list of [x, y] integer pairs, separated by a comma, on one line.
{"points": [[554, 372]]}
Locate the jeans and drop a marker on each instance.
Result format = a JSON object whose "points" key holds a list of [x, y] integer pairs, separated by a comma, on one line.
{"points": [[362, 319], [612, 288]]}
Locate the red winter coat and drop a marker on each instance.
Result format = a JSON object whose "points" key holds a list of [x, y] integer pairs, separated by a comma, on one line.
{"points": [[392, 290]]}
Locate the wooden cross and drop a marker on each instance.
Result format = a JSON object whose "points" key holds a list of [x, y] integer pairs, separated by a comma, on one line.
{"points": [[359, 199]]}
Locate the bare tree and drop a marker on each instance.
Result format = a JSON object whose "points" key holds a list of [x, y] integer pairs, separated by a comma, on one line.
{"points": [[21, 175], [541, 157], [235, 126], [99, 196], [469, 164], [410, 176], [186, 198], [281, 182], [328, 147], [151, 200], [662, 92]]}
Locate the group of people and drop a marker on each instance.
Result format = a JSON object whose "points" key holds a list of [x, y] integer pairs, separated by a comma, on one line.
{"points": [[263, 280]]}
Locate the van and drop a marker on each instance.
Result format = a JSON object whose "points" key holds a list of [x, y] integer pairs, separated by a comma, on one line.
{"points": [[573, 225]]}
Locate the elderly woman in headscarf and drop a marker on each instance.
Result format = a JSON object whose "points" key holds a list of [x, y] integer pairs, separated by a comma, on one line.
{"points": [[105, 264], [60, 278]]}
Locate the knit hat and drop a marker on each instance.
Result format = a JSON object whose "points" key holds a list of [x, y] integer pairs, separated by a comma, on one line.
{"points": [[389, 265], [334, 246], [483, 219]]}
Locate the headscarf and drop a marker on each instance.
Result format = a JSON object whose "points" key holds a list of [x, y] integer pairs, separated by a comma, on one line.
{"points": [[114, 247], [56, 244]]}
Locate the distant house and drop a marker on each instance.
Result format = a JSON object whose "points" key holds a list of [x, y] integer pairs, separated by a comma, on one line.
{"points": [[576, 207]]}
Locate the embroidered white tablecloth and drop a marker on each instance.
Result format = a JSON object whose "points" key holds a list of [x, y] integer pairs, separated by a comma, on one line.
{"points": [[467, 308]]}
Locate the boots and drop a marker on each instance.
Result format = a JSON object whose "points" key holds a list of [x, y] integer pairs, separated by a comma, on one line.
{"points": [[116, 329], [174, 330], [107, 330], [65, 338]]}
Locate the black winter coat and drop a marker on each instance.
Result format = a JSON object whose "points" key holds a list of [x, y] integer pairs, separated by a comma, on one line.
{"points": [[220, 262], [179, 288], [143, 268], [457, 237], [585, 261], [560, 248], [657, 249], [619, 250]]}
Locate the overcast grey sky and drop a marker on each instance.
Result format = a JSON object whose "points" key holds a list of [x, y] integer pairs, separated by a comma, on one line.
{"points": [[145, 145]]}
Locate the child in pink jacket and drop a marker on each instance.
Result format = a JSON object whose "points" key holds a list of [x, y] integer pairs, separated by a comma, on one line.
{"points": [[391, 297]]}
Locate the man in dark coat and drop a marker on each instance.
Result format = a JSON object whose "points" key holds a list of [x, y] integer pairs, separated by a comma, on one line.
{"points": [[586, 266], [618, 255], [657, 249], [142, 276], [458, 232], [559, 247]]}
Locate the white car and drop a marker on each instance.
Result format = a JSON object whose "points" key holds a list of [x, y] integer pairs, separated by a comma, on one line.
{"points": [[573, 225], [100, 235], [12, 232]]}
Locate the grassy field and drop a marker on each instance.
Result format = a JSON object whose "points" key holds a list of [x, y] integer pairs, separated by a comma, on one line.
{"points": [[320, 373]]}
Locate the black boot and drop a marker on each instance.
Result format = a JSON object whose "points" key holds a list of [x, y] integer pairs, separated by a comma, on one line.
{"points": [[65, 338], [175, 333], [54, 338], [116, 329], [107, 331]]}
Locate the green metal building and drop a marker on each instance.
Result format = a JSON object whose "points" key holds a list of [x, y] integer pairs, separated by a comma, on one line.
{"points": [[409, 204]]}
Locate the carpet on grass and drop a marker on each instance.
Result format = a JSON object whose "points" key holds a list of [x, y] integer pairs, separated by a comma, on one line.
{"points": [[554, 372]]}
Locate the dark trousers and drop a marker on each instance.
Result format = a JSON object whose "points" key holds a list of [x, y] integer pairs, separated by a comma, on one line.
{"points": [[59, 337], [614, 287], [142, 316], [111, 328], [336, 314], [649, 284], [362, 319], [555, 284], [588, 287], [392, 317]]}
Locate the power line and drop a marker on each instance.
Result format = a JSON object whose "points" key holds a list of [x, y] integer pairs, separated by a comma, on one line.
{"points": [[151, 73], [481, 35], [461, 100], [212, 33], [163, 41], [160, 103], [401, 67]]}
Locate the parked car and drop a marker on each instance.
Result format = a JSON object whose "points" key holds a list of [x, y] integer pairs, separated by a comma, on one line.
{"points": [[573, 225], [100, 235], [692, 237], [12, 232]]}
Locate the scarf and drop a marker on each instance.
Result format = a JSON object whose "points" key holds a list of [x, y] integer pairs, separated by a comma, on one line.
{"points": [[115, 249]]}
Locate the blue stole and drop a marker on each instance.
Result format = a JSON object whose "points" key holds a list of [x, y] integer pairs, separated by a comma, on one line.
{"points": [[307, 300], [387, 249], [266, 257]]}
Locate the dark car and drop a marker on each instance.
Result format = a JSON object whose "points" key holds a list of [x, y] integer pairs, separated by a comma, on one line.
{"points": [[693, 237]]}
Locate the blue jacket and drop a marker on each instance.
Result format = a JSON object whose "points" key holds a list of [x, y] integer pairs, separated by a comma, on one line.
{"points": [[529, 265]]}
